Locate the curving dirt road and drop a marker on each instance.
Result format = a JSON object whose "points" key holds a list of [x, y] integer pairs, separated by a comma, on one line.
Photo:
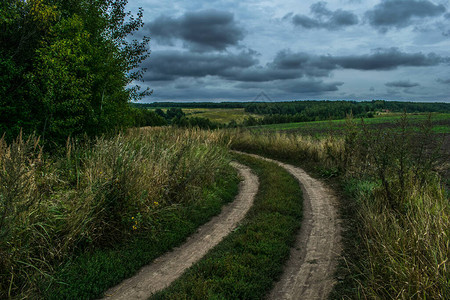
{"points": [[165, 269], [308, 273]]}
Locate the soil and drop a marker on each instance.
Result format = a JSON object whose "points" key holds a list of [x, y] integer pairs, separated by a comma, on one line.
{"points": [[167, 268], [308, 274]]}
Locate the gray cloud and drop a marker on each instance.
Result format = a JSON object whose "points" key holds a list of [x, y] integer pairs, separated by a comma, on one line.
{"points": [[402, 84], [286, 65], [260, 74], [401, 13], [381, 59], [443, 81], [388, 59], [169, 65], [325, 18], [309, 86], [201, 31], [294, 86]]}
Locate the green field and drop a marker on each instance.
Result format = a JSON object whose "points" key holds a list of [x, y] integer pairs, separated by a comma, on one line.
{"points": [[441, 123]]}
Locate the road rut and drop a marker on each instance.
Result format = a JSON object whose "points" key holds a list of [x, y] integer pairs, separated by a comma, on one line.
{"points": [[308, 274]]}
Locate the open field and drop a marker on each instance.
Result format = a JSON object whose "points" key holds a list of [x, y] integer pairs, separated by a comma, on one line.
{"points": [[220, 115], [441, 124]]}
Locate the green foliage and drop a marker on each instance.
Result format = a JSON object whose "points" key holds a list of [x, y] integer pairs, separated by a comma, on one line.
{"points": [[246, 263], [144, 117], [66, 66]]}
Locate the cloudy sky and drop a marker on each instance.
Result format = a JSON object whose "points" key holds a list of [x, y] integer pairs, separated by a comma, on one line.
{"points": [[220, 50]]}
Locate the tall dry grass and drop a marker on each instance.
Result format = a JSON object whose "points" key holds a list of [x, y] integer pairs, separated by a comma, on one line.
{"points": [[403, 210], [95, 195], [287, 146]]}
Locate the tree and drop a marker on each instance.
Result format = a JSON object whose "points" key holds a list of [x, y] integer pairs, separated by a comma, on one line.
{"points": [[67, 66]]}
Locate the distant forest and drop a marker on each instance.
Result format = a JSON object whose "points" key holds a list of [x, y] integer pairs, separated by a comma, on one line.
{"points": [[305, 111]]}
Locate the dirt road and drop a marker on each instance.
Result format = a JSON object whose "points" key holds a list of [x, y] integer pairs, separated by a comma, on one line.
{"points": [[308, 274], [165, 269]]}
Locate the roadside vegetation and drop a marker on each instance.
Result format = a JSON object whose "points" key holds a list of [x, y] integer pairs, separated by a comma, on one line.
{"points": [[103, 209], [246, 263], [397, 207]]}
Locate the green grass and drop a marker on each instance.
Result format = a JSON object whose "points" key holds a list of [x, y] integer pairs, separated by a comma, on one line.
{"points": [[323, 127], [246, 263], [104, 268]]}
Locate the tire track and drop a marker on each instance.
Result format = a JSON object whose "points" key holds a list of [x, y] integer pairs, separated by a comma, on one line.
{"points": [[308, 274], [167, 268]]}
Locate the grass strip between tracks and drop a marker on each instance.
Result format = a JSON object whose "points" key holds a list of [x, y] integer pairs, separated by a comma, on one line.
{"points": [[247, 262]]}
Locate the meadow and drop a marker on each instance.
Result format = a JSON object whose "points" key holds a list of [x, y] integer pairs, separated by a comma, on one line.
{"points": [[440, 121], [220, 115], [106, 206]]}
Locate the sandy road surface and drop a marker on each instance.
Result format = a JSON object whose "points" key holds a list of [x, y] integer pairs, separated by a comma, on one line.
{"points": [[165, 269], [308, 273]]}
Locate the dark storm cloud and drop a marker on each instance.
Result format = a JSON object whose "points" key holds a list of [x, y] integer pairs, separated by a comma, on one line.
{"points": [[402, 84], [311, 65], [168, 65], [325, 18], [201, 31], [260, 74], [309, 86], [286, 65], [443, 81], [388, 59], [294, 86], [401, 13], [381, 59]]}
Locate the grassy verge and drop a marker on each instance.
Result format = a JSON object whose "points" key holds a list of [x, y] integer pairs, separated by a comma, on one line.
{"points": [[105, 267], [245, 264], [102, 209], [395, 207]]}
